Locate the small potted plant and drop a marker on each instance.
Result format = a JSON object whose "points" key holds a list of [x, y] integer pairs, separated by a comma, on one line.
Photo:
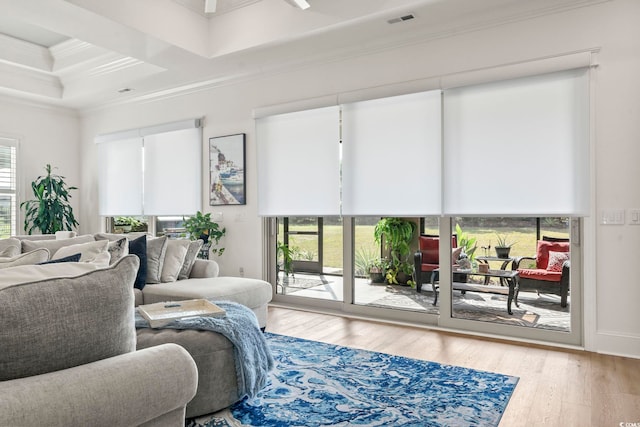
{"points": [[285, 256], [200, 226], [126, 223], [376, 269], [503, 246], [397, 233]]}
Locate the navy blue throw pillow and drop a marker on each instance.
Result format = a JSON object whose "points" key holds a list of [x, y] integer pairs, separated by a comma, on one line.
{"points": [[70, 258], [138, 247]]}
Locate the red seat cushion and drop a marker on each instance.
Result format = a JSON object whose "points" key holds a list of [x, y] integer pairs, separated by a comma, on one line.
{"points": [[540, 274], [429, 267]]}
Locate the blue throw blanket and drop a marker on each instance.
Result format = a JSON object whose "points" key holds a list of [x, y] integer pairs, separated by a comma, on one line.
{"points": [[240, 326]]}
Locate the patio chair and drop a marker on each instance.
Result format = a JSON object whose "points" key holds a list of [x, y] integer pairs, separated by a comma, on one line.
{"points": [[551, 272], [427, 258]]}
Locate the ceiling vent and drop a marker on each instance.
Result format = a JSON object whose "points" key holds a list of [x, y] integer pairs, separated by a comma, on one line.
{"points": [[401, 19]]}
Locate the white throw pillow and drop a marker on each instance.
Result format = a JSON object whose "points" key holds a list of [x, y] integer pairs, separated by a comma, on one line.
{"points": [[28, 258], [93, 252], [156, 250], [34, 273], [54, 245], [173, 260], [10, 247], [190, 259]]}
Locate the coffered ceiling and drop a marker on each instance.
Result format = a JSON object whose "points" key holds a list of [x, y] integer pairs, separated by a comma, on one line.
{"points": [[85, 53]]}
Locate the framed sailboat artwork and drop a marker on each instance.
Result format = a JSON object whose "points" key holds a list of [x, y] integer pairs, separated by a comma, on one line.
{"points": [[227, 184]]}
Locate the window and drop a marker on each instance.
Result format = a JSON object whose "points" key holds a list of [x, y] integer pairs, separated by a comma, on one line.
{"points": [[7, 187]]}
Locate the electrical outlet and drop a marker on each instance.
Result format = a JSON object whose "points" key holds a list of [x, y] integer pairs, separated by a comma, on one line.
{"points": [[241, 271]]}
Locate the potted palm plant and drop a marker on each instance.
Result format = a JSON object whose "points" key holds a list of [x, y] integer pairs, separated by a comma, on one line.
{"points": [[51, 210], [398, 234]]}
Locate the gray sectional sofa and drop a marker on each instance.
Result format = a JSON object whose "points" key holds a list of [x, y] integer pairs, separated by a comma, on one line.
{"points": [[168, 278], [68, 352], [200, 280]]}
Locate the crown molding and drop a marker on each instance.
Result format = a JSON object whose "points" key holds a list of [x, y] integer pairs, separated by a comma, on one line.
{"points": [[25, 54], [7, 99]]}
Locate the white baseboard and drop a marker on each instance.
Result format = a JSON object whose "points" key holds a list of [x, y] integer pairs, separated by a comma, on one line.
{"points": [[617, 344]]}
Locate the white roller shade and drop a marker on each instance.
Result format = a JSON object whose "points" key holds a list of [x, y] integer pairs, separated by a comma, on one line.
{"points": [[518, 147], [151, 171], [299, 163], [120, 177], [173, 172], [392, 156]]}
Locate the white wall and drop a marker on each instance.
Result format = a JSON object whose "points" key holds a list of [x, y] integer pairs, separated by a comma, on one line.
{"points": [[611, 293], [46, 135]]}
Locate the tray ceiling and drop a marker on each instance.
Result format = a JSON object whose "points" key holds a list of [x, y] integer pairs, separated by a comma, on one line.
{"points": [[86, 53]]}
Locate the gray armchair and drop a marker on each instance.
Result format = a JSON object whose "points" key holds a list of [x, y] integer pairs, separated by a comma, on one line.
{"points": [[68, 352]]}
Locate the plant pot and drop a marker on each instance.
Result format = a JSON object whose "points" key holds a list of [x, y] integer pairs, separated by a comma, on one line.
{"points": [[403, 278], [502, 252], [376, 277]]}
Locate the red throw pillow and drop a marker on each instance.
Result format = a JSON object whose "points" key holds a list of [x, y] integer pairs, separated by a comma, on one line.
{"points": [[556, 260]]}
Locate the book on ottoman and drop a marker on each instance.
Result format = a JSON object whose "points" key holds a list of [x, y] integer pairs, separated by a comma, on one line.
{"points": [[162, 313]]}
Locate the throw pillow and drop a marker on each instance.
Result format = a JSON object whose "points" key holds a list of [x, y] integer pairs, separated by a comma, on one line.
{"points": [[156, 250], [28, 258], [89, 252], [190, 258], [556, 260], [138, 247], [173, 260], [455, 254], [64, 234], [10, 247], [118, 249], [70, 258], [54, 245]]}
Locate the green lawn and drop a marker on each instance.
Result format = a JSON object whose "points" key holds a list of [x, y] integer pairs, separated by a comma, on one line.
{"points": [[525, 239]]}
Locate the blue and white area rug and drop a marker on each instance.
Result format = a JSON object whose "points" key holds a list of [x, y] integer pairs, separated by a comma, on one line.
{"points": [[317, 384]]}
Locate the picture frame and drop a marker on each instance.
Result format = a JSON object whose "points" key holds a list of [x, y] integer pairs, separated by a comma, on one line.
{"points": [[227, 166]]}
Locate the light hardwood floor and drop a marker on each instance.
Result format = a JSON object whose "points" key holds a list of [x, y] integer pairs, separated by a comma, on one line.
{"points": [[557, 387]]}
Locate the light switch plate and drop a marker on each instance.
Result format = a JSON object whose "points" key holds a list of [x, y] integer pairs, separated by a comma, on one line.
{"points": [[633, 216], [612, 217]]}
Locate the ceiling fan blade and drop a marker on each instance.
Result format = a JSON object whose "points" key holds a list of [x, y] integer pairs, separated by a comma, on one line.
{"points": [[210, 6]]}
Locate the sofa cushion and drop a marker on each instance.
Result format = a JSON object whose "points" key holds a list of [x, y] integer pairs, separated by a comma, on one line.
{"points": [[138, 247], [542, 251], [156, 250], [54, 245], [29, 258], [540, 274], [95, 252], [251, 293], [190, 258], [97, 308], [173, 259], [10, 247]]}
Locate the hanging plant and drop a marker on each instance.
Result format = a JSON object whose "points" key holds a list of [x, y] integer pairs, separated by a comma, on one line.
{"points": [[51, 210]]}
